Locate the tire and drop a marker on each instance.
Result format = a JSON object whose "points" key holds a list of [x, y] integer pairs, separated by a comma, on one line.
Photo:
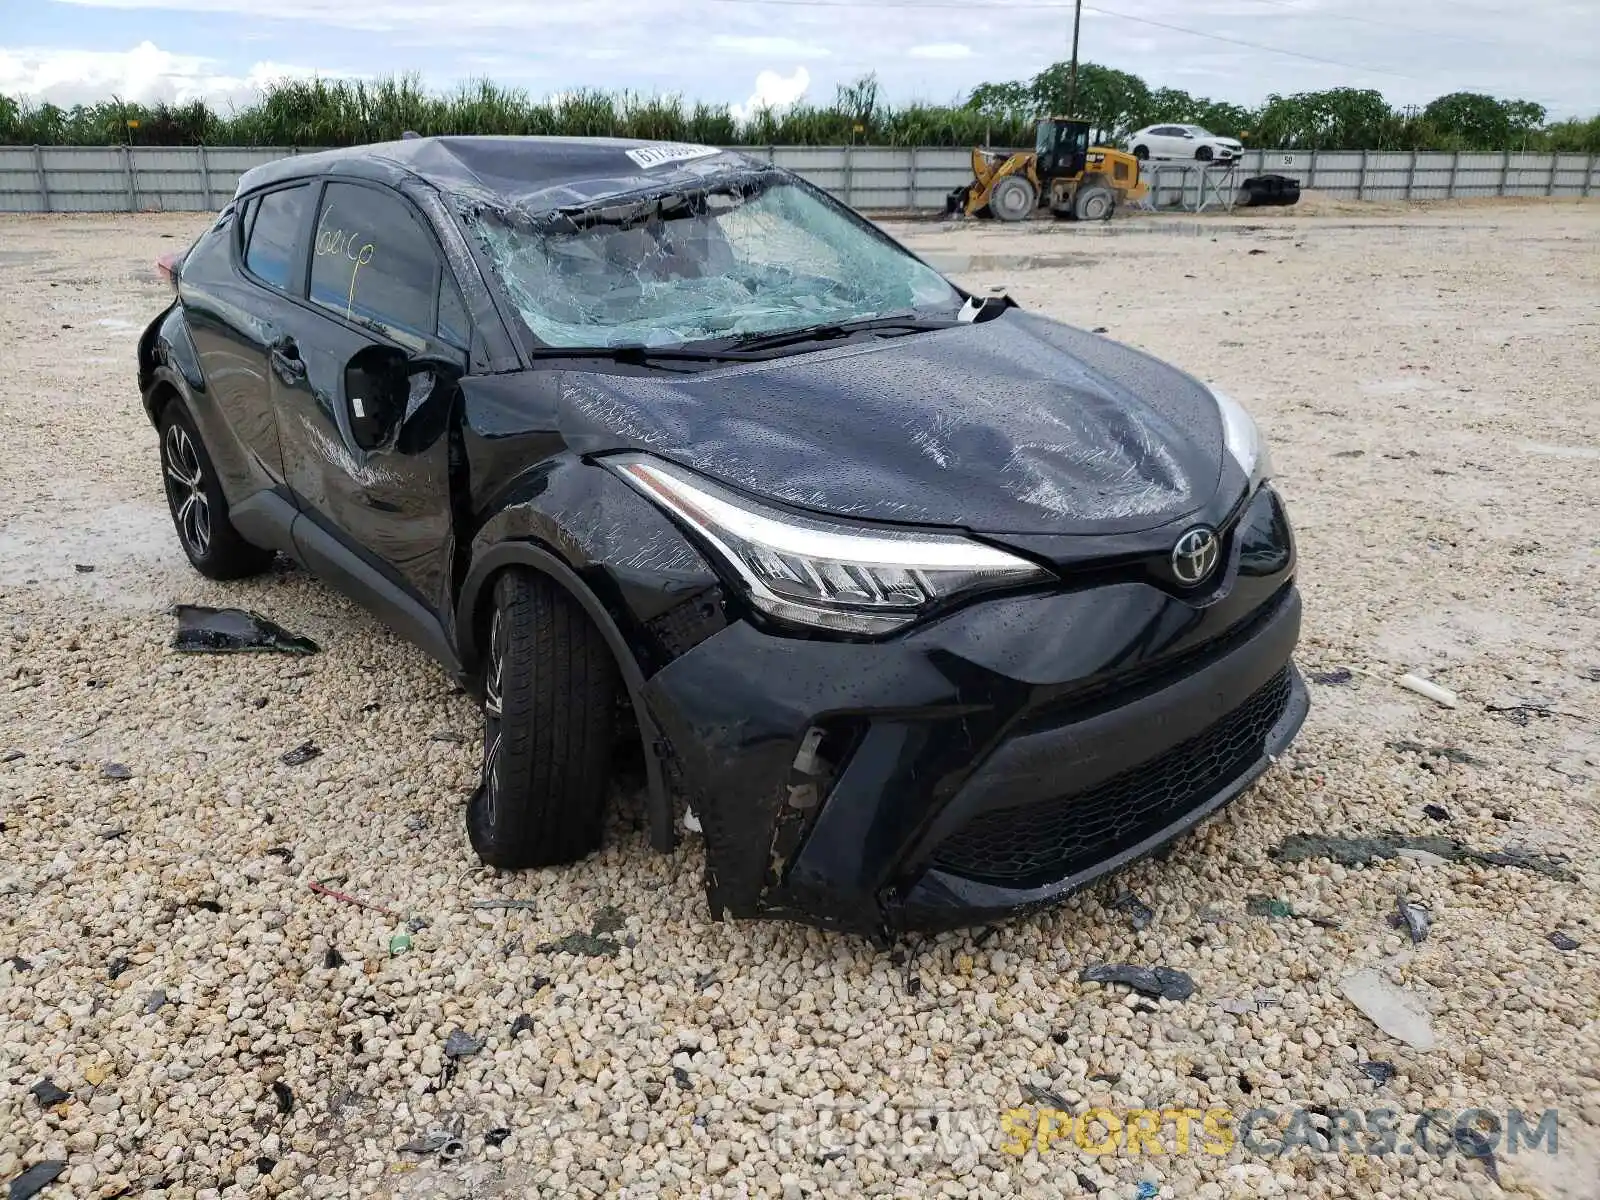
{"points": [[198, 507], [550, 688], [1094, 204], [1203, 154], [1142, 153], [1012, 199]]}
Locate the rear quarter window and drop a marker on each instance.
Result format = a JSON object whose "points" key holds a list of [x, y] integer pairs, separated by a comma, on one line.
{"points": [[272, 226]]}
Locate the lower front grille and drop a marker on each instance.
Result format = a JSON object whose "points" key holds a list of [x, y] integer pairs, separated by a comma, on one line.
{"points": [[1034, 844]]}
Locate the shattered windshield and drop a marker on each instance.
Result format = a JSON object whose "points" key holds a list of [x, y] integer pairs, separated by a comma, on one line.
{"points": [[741, 257]]}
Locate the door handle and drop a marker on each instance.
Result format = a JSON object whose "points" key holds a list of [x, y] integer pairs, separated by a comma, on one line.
{"points": [[286, 360]]}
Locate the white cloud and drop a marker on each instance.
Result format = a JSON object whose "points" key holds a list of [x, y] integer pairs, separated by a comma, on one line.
{"points": [[774, 91], [941, 50], [769, 47], [145, 74]]}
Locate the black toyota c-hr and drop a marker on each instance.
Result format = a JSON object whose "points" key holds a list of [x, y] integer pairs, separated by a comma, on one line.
{"points": [[930, 609]]}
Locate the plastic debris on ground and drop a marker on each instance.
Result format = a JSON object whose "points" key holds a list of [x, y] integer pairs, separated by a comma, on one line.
{"points": [[283, 1095], [155, 1001], [1439, 695], [1165, 982], [1561, 941], [1378, 1071], [35, 1179], [1448, 753], [1046, 1097], [204, 630], [302, 754], [1435, 812], [461, 1044], [1334, 677], [1413, 918], [48, 1094], [1147, 1190], [496, 1136], [440, 1141], [1394, 1010], [399, 943], [114, 770], [1266, 906], [1359, 851], [1139, 913]]}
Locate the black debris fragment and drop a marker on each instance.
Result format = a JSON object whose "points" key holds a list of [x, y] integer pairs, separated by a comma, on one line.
{"points": [[1089, 1186], [231, 630], [34, 1180], [1099, 329], [586, 944], [538, 983], [117, 966], [283, 852], [1500, 814], [83, 568], [332, 959], [114, 770], [1413, 918], [1046, 1097], [608, 920], [1350, 851], [496, 1136], [156, 1001], [48, 1094], [207, 905], [259, 702], [681, 1077], [448, 735], [1379, 1072], [1336, 676], [1592, 674], [301, 754], [1257, 250], [1448, 753], [1561, 941], [441, 1142], [461, 1044], [17, 963], [357, 1042], [913, 985], [827, 1156], [1151, 981], [111, 835], [265, 1165], [522, 1024], [283, 1095], [1349, 453], [1435, 812], [704, 980], [417, 924], [11, 756], [371, 706], [1139, 913]]}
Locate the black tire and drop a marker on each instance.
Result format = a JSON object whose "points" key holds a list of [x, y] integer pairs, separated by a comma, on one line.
{"points": [[1094, 204], [1141, 152], [1203, 154], [198, 507], [550, 685], [1012, 199]]}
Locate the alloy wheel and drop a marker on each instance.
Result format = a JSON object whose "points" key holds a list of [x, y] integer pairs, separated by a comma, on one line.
{"points": [[492, 709], [186, 490]]}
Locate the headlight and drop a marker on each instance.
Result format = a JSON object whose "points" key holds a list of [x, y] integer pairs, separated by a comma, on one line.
{"points": [[817, 573], [1244, 440]]}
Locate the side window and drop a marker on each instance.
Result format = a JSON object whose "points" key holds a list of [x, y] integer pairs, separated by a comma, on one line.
{"points": [[374, 262], [272, 234]]}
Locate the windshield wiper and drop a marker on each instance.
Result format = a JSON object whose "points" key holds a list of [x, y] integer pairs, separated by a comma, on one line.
{"points": [[829, 330], [639, 353]]}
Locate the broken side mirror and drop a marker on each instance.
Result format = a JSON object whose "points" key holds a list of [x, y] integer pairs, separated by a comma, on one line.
{"points": [[385, 385]]}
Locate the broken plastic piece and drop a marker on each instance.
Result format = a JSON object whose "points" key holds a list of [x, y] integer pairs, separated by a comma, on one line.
{"points": [[1151, 981], [1359, 851], [399, 943], [496, 1136], [1379, 1072], [1435, 812], [1439, 695], [302, 754], [114, 770], [1336, 676], [1046, 1097], [461, 1044], [441, 1142], [1414, 918], [1140, 913], [155, 1001], [1266, 906], [283, 1095], [1561, 941], [232, 630], [34, 1180], [48, 1094], [1394, 1010]]}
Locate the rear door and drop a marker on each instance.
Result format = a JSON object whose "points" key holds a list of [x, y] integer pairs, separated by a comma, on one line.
{"points": [[365, 427], [237, 287]]}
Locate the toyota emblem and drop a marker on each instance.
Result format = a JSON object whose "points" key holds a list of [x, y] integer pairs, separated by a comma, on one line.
{"points": [[1195, 556]]}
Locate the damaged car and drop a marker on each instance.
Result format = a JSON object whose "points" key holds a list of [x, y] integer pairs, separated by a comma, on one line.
{"points": [[930, 609]]}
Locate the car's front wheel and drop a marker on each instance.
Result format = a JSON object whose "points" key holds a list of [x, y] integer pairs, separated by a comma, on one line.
{"points": [[199, 509], [1203, 154], [1142, 153], [549, 691]]}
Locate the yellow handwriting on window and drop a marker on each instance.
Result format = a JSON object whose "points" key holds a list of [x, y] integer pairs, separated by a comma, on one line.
{"points": [[349, 244]]}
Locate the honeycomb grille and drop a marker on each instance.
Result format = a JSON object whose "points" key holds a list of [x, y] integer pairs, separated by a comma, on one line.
{"points": [[1034, 844]]}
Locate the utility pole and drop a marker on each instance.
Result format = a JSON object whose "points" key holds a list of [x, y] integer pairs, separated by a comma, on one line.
{"points": [[1072, 77]]}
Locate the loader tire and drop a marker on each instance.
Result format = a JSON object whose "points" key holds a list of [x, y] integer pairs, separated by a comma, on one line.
{"points": [[1012, 199], [1094, 204]]}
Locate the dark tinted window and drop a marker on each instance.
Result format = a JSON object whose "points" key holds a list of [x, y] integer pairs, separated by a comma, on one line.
{"points": [[453, 323], [272, 234], [374, 262], [211, 257]]}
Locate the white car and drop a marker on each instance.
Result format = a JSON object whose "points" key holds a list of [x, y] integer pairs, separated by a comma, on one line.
{"points": [[1183, 141]]}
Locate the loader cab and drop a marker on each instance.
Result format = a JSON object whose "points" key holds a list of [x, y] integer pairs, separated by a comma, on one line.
{"points": [[1061, 147]]}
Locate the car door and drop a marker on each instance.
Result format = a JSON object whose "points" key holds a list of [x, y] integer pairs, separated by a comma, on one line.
{"points": [[236, 287], [364, 389]]}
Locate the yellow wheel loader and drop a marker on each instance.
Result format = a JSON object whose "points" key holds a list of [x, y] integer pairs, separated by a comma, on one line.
{"points": [[1063, 172]]}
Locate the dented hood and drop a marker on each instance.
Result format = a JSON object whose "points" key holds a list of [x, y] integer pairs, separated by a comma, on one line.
{"points": [[1017, 425]]}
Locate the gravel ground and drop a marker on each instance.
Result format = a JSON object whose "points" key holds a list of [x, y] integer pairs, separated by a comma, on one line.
{"points": [[1427, 380]]}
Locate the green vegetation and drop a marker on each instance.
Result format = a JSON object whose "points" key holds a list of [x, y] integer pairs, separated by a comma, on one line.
{"points": [[343, 112]]}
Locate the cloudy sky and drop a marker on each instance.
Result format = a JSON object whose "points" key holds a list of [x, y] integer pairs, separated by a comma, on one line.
{"points": [[746, 52]]}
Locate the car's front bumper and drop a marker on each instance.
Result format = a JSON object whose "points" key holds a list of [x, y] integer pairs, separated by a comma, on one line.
{"points": [[991, 761]]}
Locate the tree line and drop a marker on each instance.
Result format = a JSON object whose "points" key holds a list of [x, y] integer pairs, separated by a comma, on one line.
{"points": [[334, 112]]}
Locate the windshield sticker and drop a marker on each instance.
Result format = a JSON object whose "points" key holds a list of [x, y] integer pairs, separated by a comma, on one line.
{"points": [[669, 152]]}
